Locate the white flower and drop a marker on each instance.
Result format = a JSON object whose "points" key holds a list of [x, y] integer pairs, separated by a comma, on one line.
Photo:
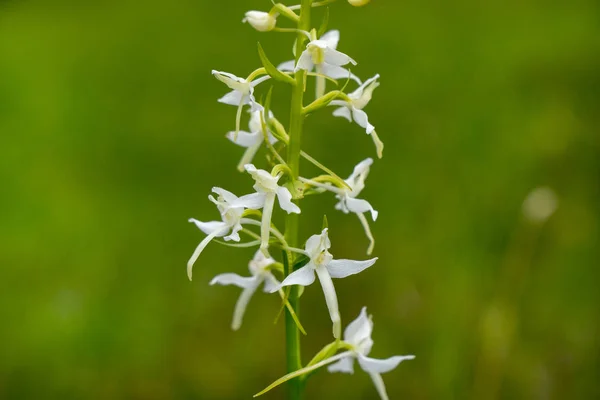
{"points": [[358, 336], [251, 140], [315, 55], [228, 228], [322, 262], [242, 93], [349, 203], [266, 190], [258, 267], [353, 110], [261, 21]]}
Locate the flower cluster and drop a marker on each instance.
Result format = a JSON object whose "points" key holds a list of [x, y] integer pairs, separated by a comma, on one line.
{"points": [[281, 187]]}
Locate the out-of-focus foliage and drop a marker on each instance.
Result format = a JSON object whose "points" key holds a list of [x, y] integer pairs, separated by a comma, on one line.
{"points": [[111, 137]]}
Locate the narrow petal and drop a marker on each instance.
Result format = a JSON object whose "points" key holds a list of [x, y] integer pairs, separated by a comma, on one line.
{"points": [[233, 279], [252, 201], [343, 112], [229, 79], [234, 235], [344, 268], [332, 38], [331, 300], [209, 227], [233, 98], [318, 243], [226, 194], [337, 72], [265, 227], [345, 365], [374, 365], [359, 329], [200, 248], [379, 385], [361, 118], [245, 139], [338, 58], [305, 62], [285, 201], [242, 303], [360, 206], [287, 65], [304, 276], [248, 156], [260, 80], [367, 228]]}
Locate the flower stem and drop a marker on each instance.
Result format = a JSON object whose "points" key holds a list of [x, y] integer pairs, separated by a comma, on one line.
{"points": [[292, 334]]}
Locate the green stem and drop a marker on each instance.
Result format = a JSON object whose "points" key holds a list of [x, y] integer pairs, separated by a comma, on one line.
{"points": [[292, 334]]}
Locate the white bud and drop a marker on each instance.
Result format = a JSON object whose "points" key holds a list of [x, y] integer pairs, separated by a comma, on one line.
{"points": [[358, 3], [540, 204], [261, 21]]}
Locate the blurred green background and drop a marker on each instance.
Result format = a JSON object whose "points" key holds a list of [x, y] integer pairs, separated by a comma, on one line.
{"points": [[111, 137]]}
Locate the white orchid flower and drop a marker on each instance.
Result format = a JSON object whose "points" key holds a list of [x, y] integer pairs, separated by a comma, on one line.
{"points": [[242, 93], [352, 110], [323, 55], [251, 140], [348, 202], [358, 336], [261, 21], [322, 262], [258, 267], [267, 190], [228, 228]]}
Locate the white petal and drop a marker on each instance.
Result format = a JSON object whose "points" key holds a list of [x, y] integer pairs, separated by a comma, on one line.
{"points": [[285, 201], [345, 365], [344, 268], [287, 66], [271, 284], [233, 279], [336, 72], [358, 92], [359, 329], [234, 235], [343, 112], [332, 38], [233, 98], [338, 58], [265, 225], [365, 225], [318, 243], [360, 206], [242, 303], [253, 201], [305, 62], [226, 194], [304, 276], [209, 227], [361, 118], [245, 139], [254, 106], [260, 80], [330, 299], [229, 79], [200, 248], [379, 385], [377, 366]]}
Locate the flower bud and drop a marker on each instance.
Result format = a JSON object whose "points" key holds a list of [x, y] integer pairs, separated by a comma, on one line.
{"points": [[358, 3], [261, 21]]}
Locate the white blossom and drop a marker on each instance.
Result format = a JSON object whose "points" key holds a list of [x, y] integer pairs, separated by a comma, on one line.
{"points": [[267, 190], [228, 228], [349, 203], [352, 109], [242, 93], [358, 336], [251, 140], [322, 263], [260, 273], [315, 55]]}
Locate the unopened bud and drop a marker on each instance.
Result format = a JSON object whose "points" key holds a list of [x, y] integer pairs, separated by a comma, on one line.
{"points": [[261, 21], [358, 3]]}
